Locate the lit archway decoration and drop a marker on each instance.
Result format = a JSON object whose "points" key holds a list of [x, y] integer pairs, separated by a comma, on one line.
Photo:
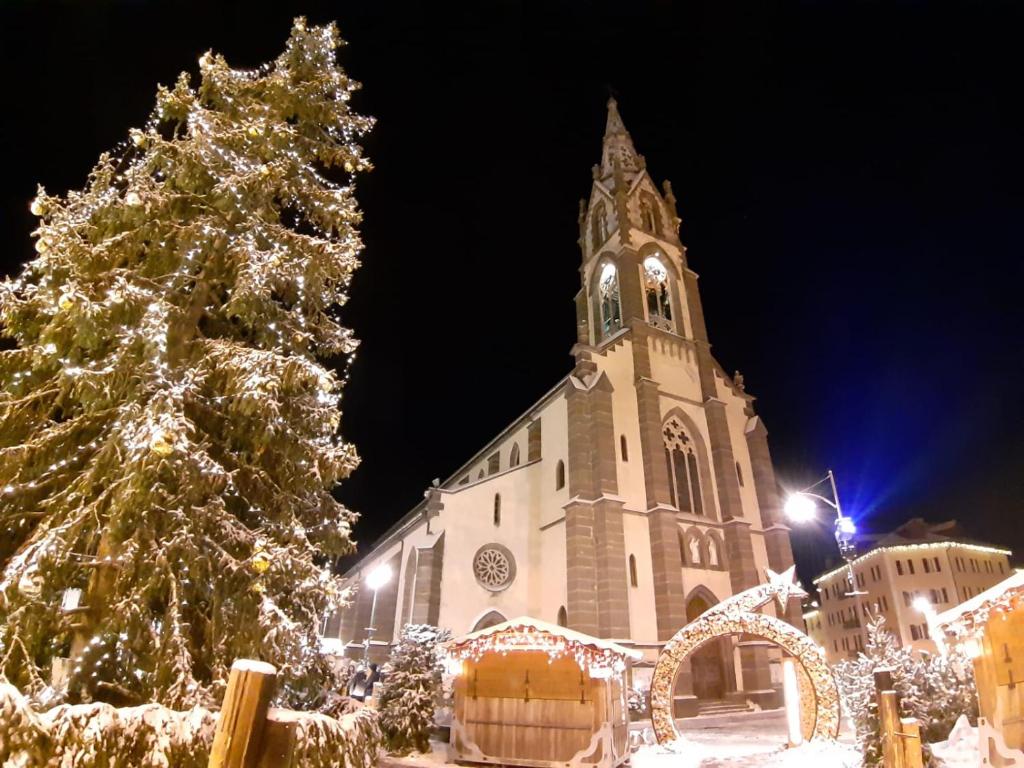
{"points": [[737, 616]]}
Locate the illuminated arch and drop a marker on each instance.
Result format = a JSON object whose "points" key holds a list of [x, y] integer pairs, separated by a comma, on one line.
{"points": [[736, 616]]}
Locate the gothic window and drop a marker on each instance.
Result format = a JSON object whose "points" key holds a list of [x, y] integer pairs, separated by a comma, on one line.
{"points": [[649, 214], [632, 571], [623, 448], [494, 567], [599, 225], [563, 617], [560, 475], [681, 459], [608, 295], [497, 509], [513, 457], [657, 288]]}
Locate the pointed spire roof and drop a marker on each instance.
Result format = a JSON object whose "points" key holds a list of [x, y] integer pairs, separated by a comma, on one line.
{"points": [[618, 146]]}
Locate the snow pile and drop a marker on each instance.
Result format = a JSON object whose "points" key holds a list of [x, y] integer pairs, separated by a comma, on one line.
{"points": [[152, 736], [686, 753], [960, 750]]}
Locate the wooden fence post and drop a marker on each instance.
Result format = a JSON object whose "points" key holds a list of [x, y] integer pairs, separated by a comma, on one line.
{"points": [[236, 742], [910, 738], [889, 727]]}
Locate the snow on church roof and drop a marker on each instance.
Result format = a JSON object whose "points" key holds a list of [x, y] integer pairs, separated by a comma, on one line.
{"points": [[526, 623]]}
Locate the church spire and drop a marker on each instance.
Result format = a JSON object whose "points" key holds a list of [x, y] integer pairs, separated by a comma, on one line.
{"points": [[618, 146]]}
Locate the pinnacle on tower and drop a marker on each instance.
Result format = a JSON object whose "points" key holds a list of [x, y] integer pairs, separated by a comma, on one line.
{"points": [[618, 146]]}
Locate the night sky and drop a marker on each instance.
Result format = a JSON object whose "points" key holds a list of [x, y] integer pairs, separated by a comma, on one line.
{"points": [[849, 177]]}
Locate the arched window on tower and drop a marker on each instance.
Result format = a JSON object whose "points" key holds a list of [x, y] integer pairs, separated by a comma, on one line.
{"points": [[563, 617], [682, 468], [598, 226], [632, 571], [657, 288], [497, 509], [513, 457], [650, 216], [560, 475], [608, 296]]}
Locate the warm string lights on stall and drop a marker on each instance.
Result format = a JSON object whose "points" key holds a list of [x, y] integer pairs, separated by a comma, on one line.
{"points": [[598, 662]]}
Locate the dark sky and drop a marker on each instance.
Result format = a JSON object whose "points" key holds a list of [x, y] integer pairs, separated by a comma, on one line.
{"points": [[849, 177]]}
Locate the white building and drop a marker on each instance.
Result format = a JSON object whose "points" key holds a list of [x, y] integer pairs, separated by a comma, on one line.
{"points": [[917, 560], [634, 494]]}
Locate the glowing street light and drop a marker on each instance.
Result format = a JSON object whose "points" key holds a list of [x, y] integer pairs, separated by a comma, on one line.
{"points": [[923, 605], [375, 579], [800, 507]]}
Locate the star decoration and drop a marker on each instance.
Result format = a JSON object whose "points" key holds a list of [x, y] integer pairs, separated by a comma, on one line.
{"points": [[784, 585]]}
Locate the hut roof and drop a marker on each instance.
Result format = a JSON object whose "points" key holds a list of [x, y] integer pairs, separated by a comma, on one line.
{"points": [[961, 618], [524, 623]]}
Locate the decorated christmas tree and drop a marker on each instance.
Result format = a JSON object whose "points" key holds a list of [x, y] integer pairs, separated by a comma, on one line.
{"points": [[168, 439], [412, 688]]}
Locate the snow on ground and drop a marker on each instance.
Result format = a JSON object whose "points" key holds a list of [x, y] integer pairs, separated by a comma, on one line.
{"points": [[748, 740], [743, 741]]}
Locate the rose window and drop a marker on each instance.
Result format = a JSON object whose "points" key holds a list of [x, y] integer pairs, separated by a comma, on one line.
{"points": [[494, 567]]}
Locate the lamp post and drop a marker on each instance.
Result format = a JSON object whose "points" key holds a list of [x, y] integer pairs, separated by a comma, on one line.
{"points": [[375, 579], [800, 508], [924, 605]]}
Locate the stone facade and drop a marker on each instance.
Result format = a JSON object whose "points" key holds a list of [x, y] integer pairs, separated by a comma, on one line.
{"points": [[638, 491]]}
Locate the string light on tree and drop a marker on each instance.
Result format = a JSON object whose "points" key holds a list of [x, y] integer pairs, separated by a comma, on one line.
{"points": [[170, 439]]}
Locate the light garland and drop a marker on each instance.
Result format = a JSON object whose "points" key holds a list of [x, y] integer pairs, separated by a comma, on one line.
{"points": [[914, 547], [598, 662]]}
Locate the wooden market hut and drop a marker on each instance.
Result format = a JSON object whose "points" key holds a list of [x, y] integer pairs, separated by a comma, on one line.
{"points": [[531, 693], [989, 627]]}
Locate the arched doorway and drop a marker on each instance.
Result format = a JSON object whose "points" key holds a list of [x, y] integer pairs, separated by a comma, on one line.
{"points": [[489, 619], [707, 668]]}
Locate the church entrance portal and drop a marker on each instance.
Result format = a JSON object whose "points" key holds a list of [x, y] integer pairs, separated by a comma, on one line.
{"points": [[706, 666]]}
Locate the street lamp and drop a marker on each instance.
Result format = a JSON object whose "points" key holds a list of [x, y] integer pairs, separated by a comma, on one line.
{"points": [[924, 605], [375, 579], [800, 507]]}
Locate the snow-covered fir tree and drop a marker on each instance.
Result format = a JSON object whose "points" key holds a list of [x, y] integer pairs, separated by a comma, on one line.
{"points": [[412, 688], [168, 439], [935, 689]]}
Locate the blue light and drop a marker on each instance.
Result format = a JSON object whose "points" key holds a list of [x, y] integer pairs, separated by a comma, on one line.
{"points": [[846, 525]]}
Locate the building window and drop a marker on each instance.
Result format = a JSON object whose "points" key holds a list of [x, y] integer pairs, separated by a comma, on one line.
{"points": [[899, 567], [682, 468], [945, 595], [493, 463], [513, 457], [560, 475], [599, 225], [610, 302], [938, 567], [974, 565], [906, 599], [910, 566], [563, 618], [622, 448], [494, 567], [1001, 567], [480, 476], [739, 473], [649, 214], [497, 509], [885, 604], [926, 564], [914, 632], [632, 571], [659, 294]]}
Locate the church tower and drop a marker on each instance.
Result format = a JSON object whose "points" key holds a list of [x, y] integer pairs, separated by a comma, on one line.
{"points": [[703, 451]]}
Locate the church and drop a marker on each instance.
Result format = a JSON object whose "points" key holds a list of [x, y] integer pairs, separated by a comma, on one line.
{"points": [[636, 493]]}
